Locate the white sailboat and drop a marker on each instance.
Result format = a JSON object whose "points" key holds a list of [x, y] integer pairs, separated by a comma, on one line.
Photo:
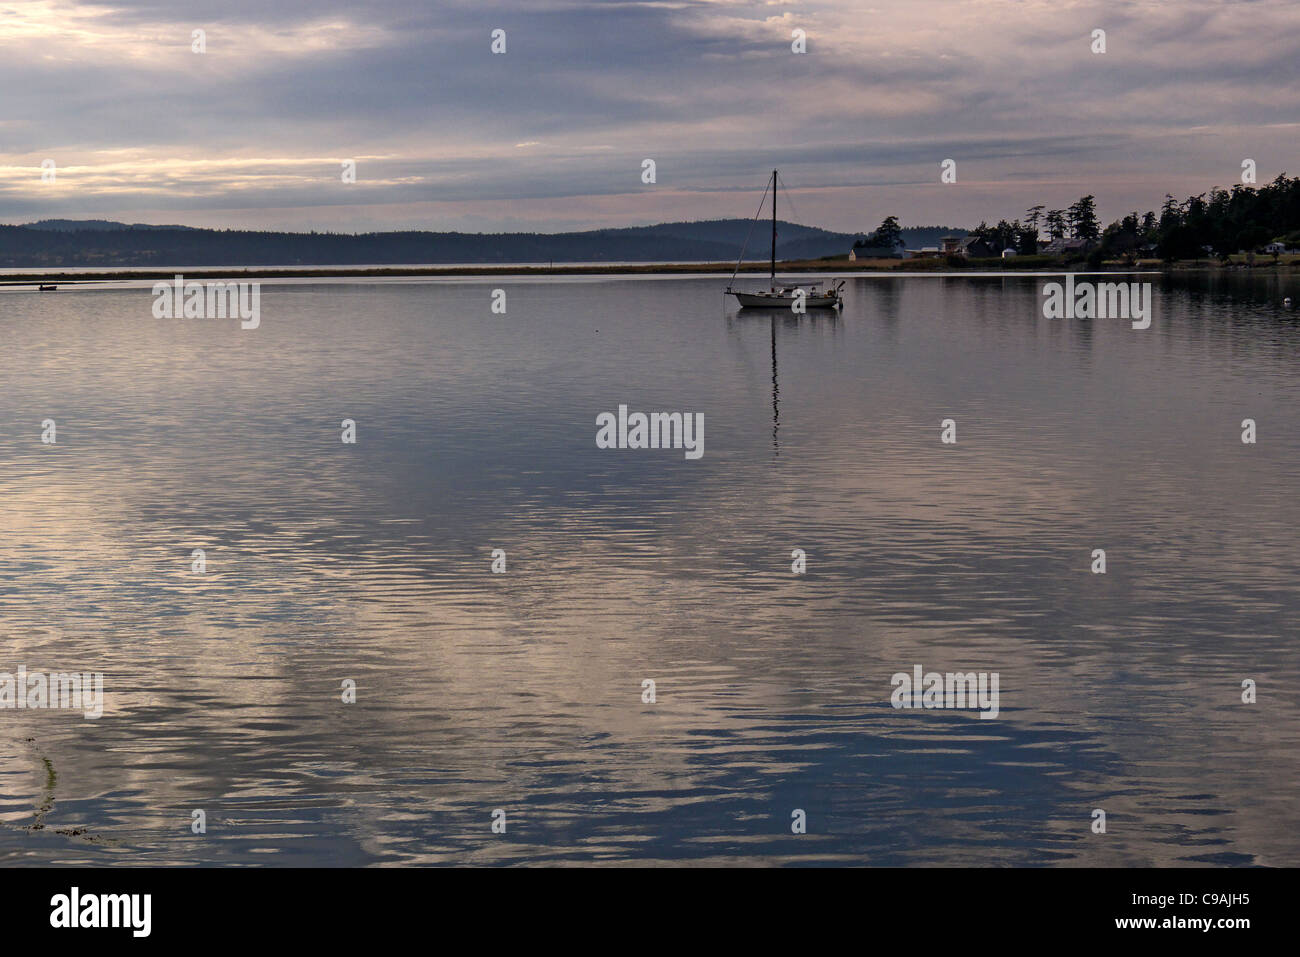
{"points": [[782, 297]]}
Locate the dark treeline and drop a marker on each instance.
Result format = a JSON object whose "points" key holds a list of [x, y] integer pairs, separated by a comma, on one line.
{"points": [[1218, 223], [1225, 221]]}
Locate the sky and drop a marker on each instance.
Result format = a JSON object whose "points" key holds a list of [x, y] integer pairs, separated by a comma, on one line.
{"points": [[552, 134]]}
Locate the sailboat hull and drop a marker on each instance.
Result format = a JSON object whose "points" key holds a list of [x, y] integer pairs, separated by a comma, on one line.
{"points": [[783, 300]]}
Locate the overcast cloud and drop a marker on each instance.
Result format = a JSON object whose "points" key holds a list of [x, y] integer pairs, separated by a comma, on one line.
{"points": [[551, 135]]}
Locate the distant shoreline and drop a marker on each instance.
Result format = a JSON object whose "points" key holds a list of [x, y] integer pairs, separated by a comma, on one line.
{"points": [[885, 266]]}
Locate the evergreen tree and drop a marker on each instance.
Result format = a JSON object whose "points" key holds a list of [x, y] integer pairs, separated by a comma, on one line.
{"points": [[1083, 219], [888, 235], [1032, 216]]}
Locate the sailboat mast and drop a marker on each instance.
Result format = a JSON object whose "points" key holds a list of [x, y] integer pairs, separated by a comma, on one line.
{"points": [[773, 229]]}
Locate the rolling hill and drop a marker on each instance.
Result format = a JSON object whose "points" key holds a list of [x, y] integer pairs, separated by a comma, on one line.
{"points": [[64, 243]]}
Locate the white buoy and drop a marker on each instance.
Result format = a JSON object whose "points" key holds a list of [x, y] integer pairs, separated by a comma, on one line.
{"points": [[1287, 302]]}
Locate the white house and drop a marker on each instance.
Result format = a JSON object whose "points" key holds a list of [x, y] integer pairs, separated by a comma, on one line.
{"points": [[1008, 253]]}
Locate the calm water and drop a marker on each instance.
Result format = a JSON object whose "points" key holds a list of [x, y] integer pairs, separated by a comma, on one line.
{"points": [[522, 691]]}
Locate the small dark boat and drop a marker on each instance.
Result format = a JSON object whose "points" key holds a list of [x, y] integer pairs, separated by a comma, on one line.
{"points": [[47, 288]]}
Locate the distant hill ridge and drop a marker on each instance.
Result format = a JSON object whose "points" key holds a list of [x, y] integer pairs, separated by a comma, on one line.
{"points": [[97, 242], [73, 225]]}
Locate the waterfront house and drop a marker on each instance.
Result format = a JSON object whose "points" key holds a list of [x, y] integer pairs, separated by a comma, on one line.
{"points": [[1068, 247], [972, 247], [874, 252]]}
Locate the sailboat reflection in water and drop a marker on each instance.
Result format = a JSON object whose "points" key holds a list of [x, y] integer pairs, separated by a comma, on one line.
{"points": [[745, 322], [809, 295]]}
